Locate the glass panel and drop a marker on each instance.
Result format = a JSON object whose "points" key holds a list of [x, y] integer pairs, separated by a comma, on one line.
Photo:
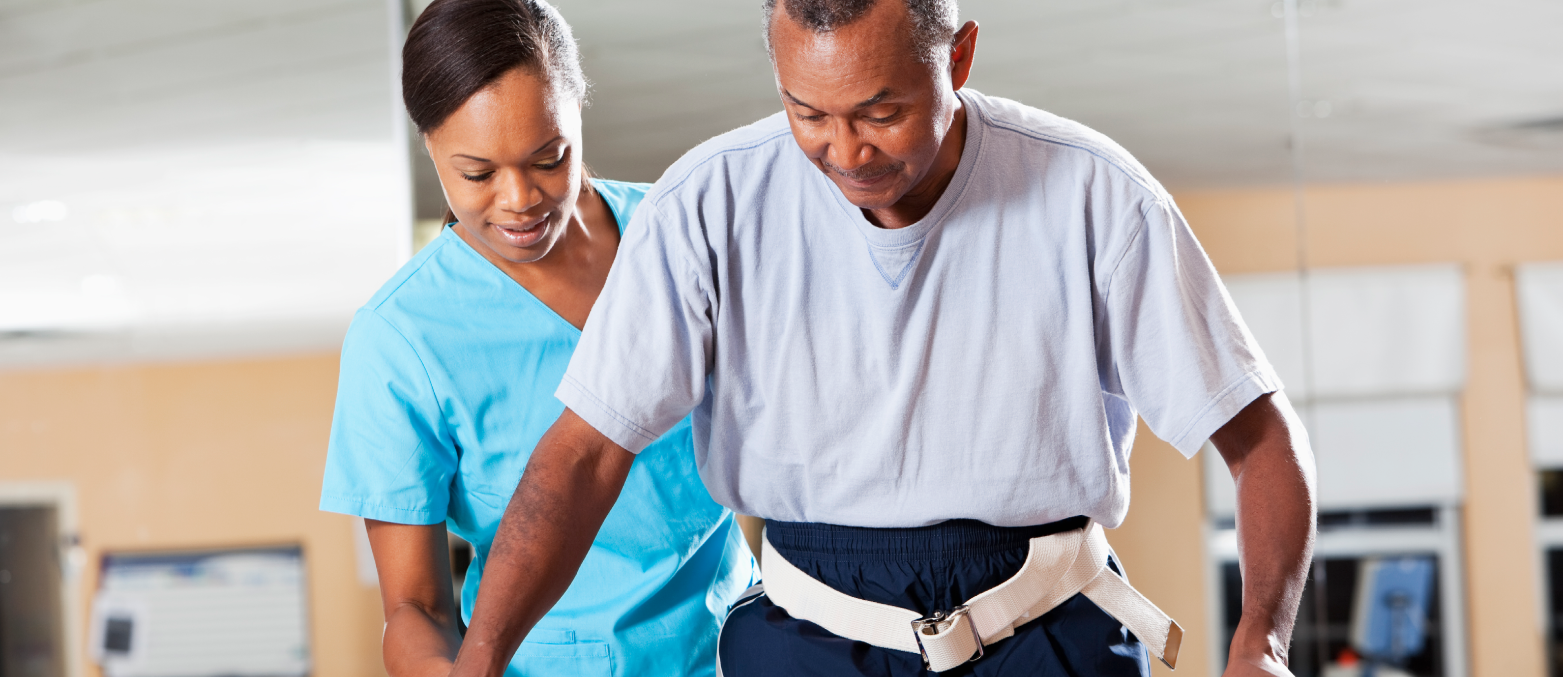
{"points": [[30, 590], [1324, 635], [1555, 612], [1551, 493]]}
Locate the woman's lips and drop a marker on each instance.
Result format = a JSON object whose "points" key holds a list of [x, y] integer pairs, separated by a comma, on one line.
{"points": [[522, 233]]}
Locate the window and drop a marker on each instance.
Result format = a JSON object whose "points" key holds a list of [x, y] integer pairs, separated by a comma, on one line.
{"points": [[1383, 589]]}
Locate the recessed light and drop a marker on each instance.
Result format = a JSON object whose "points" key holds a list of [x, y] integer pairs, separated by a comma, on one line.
{"points": [[42, 211], [100, 285]]}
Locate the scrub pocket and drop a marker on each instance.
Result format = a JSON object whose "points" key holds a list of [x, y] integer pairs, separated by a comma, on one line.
{"points": [[558, 652]]}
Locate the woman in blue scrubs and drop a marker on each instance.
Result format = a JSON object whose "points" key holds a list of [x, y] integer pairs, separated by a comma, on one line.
{"points": [[448, 373]]}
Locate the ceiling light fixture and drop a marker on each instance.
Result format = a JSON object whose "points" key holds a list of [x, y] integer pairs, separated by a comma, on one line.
{"points": [[42, 211]]}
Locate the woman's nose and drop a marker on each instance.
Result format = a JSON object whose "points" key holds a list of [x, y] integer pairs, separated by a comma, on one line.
{"points": [[514, 193]]}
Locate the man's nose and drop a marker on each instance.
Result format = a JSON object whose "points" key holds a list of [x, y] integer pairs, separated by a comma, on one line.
{"points": [[848, 150]]}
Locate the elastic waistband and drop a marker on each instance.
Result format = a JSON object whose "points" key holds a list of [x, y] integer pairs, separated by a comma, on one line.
{"points": [[943, 541]]}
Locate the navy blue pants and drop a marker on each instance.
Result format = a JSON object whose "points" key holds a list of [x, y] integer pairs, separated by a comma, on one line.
{"points": [[926, 569]]}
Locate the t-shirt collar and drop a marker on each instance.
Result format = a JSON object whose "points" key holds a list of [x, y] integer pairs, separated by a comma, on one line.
{"points": [[883, 237]]}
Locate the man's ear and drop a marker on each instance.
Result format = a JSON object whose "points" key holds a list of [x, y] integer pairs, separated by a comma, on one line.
{"points": [[962, 50]]}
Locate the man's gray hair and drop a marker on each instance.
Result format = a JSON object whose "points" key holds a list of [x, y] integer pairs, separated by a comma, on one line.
{"points": [[933, 21]]}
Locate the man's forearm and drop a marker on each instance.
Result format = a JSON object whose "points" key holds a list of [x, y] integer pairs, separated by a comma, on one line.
{"points": [[1275, 532], [565, 493], [1267, 451]]}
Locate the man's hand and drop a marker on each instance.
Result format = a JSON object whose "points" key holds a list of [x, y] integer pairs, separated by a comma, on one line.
{"points": [[1266, 666], [1266, 449], [565, 493]]}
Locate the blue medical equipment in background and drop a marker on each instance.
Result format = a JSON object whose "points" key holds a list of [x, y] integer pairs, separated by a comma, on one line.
{"points": [[1390, 619]]}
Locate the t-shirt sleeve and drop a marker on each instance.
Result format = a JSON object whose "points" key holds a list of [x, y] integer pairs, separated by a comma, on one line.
{"points": [[389, 458], [644, 355], [1179, 351]]}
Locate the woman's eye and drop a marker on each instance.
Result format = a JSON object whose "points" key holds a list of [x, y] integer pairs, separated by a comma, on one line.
{"points": [[476, 177], [551, 165]]}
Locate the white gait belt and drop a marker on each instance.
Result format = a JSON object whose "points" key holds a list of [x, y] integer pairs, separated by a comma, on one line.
{"points": [[1058, 566]]}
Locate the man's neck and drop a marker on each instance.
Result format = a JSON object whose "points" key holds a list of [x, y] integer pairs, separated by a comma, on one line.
{"points": [[917, 202]]}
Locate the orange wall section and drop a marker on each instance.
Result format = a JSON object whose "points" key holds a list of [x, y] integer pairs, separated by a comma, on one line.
{"points": [[1162, 543], [199, 456]]}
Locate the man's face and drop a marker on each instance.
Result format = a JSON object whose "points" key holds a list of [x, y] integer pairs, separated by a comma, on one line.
{"points": [[863, 107]]}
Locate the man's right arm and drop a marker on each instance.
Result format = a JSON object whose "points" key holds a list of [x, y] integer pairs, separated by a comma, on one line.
{"points": [[569, 485]]}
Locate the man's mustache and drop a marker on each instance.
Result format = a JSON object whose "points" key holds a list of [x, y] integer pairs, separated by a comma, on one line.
{"points": [[867, 173]]}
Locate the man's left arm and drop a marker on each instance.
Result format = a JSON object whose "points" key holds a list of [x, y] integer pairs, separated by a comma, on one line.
{"points": [[1267, 452]]}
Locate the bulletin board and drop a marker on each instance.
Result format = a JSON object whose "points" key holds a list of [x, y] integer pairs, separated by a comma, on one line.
{"points": [[210, 613]]}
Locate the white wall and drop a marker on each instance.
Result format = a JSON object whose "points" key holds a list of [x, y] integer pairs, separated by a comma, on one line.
{"points": [[1376, 377]]}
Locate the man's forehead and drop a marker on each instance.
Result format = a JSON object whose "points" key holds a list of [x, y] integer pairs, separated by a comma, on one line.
{"points": [[886, 30]]}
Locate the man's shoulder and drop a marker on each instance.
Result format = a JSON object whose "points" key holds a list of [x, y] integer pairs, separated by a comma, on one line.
{"points": [[1027, 129], [747, 153]]}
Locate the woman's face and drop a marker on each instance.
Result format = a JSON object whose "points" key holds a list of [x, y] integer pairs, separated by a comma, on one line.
{"points": [[510, 162]]}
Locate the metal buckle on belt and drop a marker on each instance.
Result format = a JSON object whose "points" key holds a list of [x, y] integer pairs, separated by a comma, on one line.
{"points": [[941, 621]]}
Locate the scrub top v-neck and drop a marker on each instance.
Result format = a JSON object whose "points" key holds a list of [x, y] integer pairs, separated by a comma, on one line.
{"points": [[447, 382]]}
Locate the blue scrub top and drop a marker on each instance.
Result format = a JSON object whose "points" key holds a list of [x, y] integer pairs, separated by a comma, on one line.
{"points": [[447, 384]]}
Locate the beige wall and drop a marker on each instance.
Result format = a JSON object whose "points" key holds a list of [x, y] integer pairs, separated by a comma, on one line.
{"points": [[198, 456], [211, 454], [1489, 226]]}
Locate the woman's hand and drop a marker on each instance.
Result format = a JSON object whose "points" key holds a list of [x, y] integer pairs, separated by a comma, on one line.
{"points": [[422, 632]]}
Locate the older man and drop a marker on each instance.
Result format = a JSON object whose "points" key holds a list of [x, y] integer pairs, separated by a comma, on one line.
{"points": [[915, 325]]}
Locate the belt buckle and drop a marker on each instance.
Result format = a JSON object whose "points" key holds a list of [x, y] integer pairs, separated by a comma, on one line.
{"points": [[938, 622]]}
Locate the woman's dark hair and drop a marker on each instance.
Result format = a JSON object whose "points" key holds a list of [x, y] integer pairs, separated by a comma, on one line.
{"points": [[458, 47]]}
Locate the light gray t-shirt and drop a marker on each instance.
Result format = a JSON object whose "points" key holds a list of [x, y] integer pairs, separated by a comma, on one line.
{"points": [[986, 362]]}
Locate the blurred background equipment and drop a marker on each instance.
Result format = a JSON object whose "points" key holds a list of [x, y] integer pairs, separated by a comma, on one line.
{"points": [[192, 614], [1389, 624]]}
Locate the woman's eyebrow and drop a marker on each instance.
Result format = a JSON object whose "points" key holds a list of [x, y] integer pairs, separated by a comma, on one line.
{"points": [[547, 143], [540, 149]]}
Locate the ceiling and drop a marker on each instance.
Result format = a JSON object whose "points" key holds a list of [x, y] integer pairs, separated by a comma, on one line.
{"points": [[1197, 89], [187, 178], [230, 177]]}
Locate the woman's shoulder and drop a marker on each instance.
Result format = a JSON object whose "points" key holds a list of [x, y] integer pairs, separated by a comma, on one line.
{"points": [[622, 196]]}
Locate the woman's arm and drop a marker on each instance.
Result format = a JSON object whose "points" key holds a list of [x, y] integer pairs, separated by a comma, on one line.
{"points": [[421, 631]]}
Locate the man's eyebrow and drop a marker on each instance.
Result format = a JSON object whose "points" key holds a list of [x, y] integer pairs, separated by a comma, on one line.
{"points": [[870, 101], [875, 99], [788, 96]]}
